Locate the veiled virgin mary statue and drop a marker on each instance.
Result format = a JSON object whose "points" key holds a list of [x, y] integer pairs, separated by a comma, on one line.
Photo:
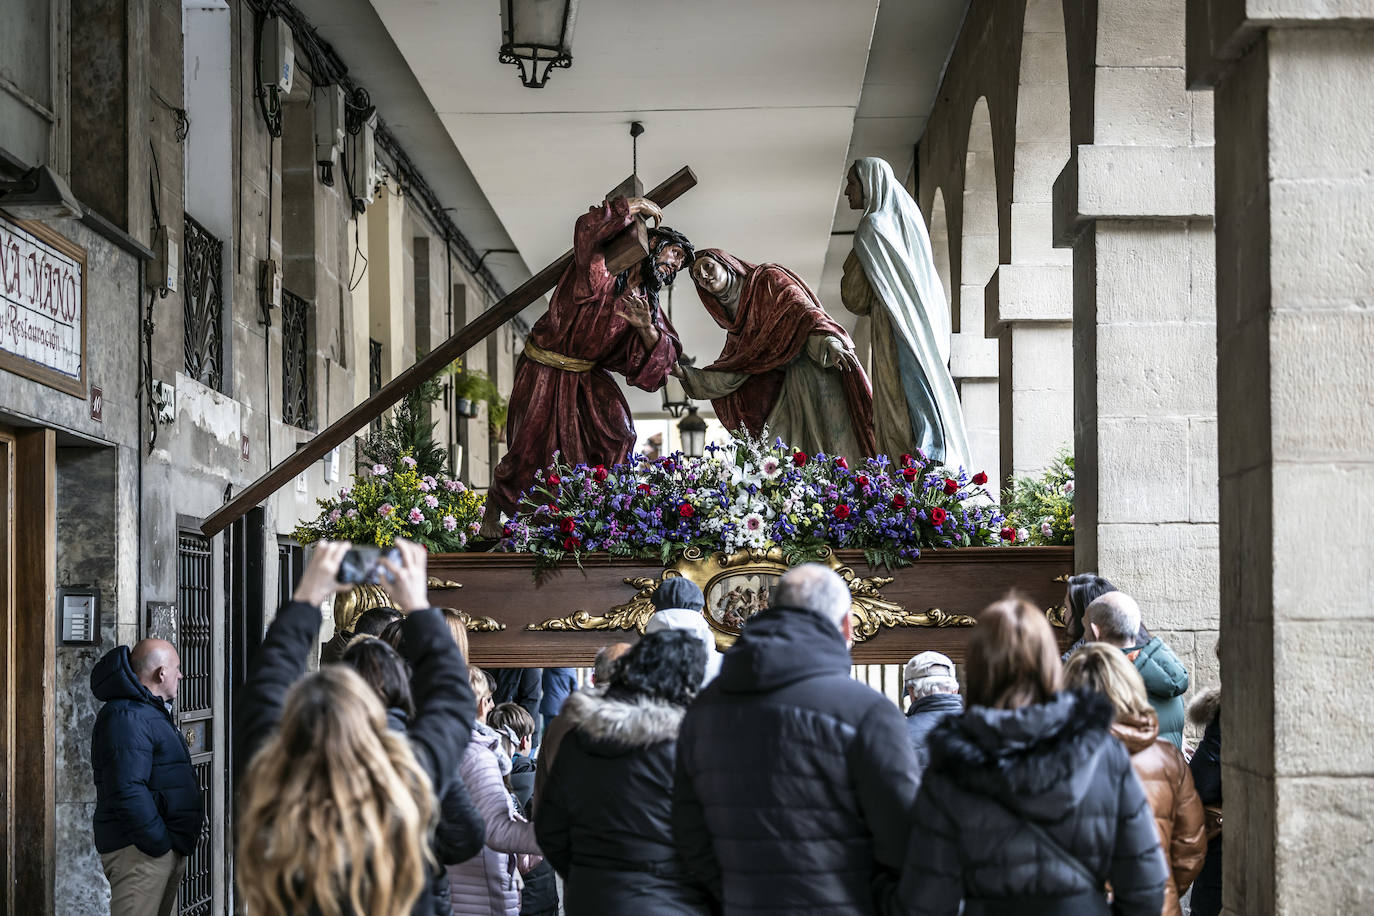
{"points": [[890, 275]]}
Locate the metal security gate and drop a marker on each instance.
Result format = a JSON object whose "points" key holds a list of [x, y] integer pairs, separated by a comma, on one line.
{"points": [[196, 701]]}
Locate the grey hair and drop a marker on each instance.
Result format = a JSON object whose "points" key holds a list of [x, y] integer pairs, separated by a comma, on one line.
{"points": [[936, 683], [1116, 616], [812, 587]]}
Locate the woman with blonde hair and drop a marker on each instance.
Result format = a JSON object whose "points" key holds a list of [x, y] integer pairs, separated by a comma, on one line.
{"points": [[1160, 765], [1029, 805], [337, 809]]}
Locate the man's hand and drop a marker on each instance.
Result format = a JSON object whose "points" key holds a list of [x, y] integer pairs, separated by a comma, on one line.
{"points": [[643, 206], [845, 359], [635, 310], [319, 582], [407, 583]]}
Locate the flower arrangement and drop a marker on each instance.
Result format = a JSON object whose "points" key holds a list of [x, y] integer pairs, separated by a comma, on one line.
{"points": [[387, 503], [1040, 509], [753, 495]]}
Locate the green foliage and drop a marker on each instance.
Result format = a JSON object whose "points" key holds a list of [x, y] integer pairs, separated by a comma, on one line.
{"points": [[476, 385], [408, 431], [1041, 508]]}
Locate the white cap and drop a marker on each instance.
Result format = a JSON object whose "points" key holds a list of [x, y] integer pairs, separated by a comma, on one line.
{"points": [[693, 622], [928, 664]]}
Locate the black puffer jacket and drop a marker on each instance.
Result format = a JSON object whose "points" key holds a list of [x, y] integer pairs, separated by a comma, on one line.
{"points": [[539, 897], [993, 772], [444, 707], [605, 820], [794, 781], [926, 713], [145, 790], [1205, 710], [460, 833]]}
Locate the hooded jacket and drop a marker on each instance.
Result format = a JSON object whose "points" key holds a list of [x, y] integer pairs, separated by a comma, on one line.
{"points": [[1166, 680], [145, 790], [1178, 813], [993, 773], [921, 719], [489, 884], [605, 819], [794, 781]]}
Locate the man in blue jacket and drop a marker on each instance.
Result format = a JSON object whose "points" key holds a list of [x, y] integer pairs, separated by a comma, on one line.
{"points": [[148, 810], [1114, 618]]}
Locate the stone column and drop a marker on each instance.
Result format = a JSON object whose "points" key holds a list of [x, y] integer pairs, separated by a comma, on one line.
{"points": [[1135, 203], [1295, 333]]}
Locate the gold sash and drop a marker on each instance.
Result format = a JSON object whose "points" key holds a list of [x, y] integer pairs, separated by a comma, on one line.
{"points": [[557, 360]]}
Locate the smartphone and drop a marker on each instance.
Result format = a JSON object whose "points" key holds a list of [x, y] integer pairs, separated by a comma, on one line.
{"points": [[360, 565]]}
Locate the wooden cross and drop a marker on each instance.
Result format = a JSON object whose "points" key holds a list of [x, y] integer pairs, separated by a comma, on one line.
{"points": [[464, 339], [630, 247]]}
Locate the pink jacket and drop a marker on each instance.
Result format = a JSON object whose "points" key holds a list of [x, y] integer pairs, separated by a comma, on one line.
{"points": [[489, 884]]}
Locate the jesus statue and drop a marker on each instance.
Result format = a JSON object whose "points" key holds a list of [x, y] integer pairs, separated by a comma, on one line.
{"points": [[564, 398], [787, 368]]}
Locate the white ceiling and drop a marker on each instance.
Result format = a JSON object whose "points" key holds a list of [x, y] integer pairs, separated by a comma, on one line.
{"points": [[759, 97]]}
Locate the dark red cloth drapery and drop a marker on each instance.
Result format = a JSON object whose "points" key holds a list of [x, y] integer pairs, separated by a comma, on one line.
{"points": [[583, 415], [777, 312]]}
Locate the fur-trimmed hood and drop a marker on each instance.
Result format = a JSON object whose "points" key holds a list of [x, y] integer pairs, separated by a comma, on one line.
{"points": [[619, 725], [1035, 760], [1205, 707]]}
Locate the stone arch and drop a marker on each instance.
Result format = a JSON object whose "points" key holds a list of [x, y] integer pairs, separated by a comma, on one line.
{"points": [[939, 242], [974, 359], [1042, 145]]}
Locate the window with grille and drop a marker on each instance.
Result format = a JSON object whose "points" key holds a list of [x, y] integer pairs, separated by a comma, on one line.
{"points": [[203, 300], [374, 374], [295, 361], [195, 626], [290, 565]]}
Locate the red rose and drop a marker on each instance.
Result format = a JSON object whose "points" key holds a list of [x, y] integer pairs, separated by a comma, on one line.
{"points": [[645, 488], [799, 459], [554, 480], [569, 525], [899, 502], [507, 531], [551, 509], [686, 511], [842, 511], [842, 463], [1009, 534], [600, 473], [571, 543], [907, 461], [980, 478], [909, 474], [938, 516], [863, 481], [951, 486]]}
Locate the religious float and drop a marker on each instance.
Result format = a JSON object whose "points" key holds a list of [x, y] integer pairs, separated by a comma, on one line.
{"points": [[922, 549]]}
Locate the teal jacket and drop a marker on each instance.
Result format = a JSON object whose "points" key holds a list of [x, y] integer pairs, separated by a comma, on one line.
{"points": [[1166, 680]]}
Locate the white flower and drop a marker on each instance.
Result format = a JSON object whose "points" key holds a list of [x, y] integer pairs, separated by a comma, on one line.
{"points": [[431, 501], [408, 461], [1068, 488], [1046, 530], [379, 469], [1022, 535], [752, 522], [771, 468]]}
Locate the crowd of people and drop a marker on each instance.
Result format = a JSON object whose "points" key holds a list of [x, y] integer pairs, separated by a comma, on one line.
{"points": [[398, 780]]}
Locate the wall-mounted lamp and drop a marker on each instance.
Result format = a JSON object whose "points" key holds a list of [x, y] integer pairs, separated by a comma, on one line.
{"points": [[692, 429]]}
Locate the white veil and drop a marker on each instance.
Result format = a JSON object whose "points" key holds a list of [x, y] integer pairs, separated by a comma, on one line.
{"points": [[894, 250]]}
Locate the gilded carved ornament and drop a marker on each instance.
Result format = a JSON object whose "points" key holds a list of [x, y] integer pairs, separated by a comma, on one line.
{"points": [[349, 605], [737, 586]]}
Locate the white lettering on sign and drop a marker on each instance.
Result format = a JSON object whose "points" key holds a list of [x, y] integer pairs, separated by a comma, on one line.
{"points": [[42, 306]]}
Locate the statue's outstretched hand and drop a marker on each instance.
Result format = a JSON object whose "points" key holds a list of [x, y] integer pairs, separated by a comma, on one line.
{"points": [[845, 359], [635, 310]]}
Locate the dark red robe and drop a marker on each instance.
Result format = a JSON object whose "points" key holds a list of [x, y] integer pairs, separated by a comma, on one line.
{"points": [[583, 415], [777, 312]]}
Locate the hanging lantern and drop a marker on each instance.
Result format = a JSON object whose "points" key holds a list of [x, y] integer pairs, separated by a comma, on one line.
{"points": [[675, 399], [692, 429], [536, 36]]}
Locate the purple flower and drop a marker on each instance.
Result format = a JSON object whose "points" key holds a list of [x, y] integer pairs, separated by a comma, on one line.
{"points": [[408, 461]]}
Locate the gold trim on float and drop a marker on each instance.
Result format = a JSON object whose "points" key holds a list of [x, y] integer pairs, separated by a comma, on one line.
{"points": [[871, 611], [349, 605]]}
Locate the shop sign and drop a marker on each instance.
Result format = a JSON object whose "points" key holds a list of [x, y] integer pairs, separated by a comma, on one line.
{"points": [[42, 306]]}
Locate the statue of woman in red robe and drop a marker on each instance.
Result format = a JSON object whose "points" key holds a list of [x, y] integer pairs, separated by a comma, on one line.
{"points": [[788, 369], [565, 398]]}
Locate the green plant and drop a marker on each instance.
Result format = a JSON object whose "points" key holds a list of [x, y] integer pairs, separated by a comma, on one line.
{"points": [[1041, 508], [408, 431], [476, 385]]}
